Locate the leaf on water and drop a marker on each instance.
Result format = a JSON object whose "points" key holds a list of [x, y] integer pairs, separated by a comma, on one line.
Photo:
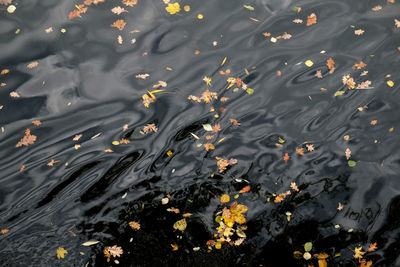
{"points": [[118, 10], [390, 83], [173, 8], [174, 247], [300, 151], [318, 74], [14, 94], [372, 247], [249, 91], [340, 206], [359, 32], [119, 39], [130, 3], [249, 7], [207, 127], [134, 225], [359, 66], [142, 76], [308, 246], [209, 146], [150, 128], [216, 128], [331, 65], [5, 2], [311, 19], [36, 122], [180, 225], [61, 253], [225, 198], [286, 157], [298, 21], [339, 93], [119, 24], [309, 63], [358, 253], [32, 65], [348, 153], [27, 140], [114, 251], [90, 243], [352, 163], [294, 187], [245, 189], [397, 23]]}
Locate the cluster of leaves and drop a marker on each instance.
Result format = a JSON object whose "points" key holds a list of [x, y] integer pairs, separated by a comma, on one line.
{"points": [[82, 8], [227, 218]]}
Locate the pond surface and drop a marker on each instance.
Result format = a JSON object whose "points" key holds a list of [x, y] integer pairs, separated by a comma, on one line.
{"points": [[317, 150]]}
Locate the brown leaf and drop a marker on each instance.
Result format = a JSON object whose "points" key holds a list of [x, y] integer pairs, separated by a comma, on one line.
{"points": [[36, 122], [318, 74], [298, 21], [294, 187], [374, 122], [5, 71], [118, 10], [51, 163], [311, 19], [340, 206], [27, 140], [115, 251], [119, 24], [377, 8], [142, 76]]}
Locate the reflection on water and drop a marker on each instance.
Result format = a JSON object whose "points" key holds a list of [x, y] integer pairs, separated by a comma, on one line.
{"points": [[85, 84]]}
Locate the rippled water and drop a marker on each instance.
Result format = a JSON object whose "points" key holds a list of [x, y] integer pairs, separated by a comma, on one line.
{"points": [[85, 84]]}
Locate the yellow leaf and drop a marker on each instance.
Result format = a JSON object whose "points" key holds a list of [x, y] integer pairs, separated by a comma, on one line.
{"points": [[225, 198], [223, 61], [309, 63], [200, 16], [115, 143], [180, 225], [173, 8], [169, 153], [61, 252], [218, 245], [186, 8], [390, 83], [174, 247]]}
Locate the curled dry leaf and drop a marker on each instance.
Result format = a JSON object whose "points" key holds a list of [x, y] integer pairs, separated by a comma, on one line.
{"points": [[14, 94], [160, 84]]}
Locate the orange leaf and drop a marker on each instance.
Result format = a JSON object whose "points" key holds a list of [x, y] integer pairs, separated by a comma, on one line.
{"points": [[331, 65], [245, 189], [312, 19], [286, 157], [209, 146], [119, 24], [134, 225], [372, 247], [300, 151]]}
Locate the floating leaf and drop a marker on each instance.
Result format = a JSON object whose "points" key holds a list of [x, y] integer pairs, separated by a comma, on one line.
{"points": [[225, 198], [248, 7], [351, 163], [249, 91], [173, 8], [90, 243], [180, 225], [390, 83], [308, 246], [207, 127], [338, 93], [61, 253], [309, 63]]}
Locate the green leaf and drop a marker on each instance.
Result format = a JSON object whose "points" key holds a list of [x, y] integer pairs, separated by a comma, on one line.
{"points": [[308, 246], [352, 163], [249, 91]]}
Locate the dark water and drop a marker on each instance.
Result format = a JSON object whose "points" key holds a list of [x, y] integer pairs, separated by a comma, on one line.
{"points": [[85, 84]]}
